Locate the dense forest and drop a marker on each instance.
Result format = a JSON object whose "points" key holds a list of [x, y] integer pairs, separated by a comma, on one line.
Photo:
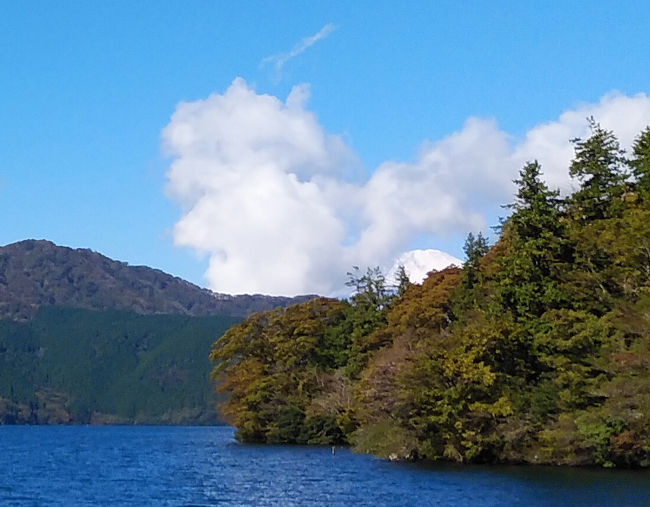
{"points": [[537, 350], [78, 366]]}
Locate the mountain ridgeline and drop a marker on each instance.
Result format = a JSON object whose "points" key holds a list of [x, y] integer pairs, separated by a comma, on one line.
{"points": [[536, 351], [86, 339], [37, 273]]}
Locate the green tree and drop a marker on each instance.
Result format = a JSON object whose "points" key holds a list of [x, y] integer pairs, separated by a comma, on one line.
{"points": [[536, 247], [469, 292], [402, 281], [475, 248], [367, 313], [640, 162], [599, 166], [370, 289]]}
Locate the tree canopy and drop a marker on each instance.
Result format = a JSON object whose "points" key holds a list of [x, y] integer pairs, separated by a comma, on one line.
{"points": [[537, 350]]}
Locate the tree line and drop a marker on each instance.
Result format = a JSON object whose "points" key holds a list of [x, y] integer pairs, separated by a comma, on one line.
{"points": [[537, 350]]}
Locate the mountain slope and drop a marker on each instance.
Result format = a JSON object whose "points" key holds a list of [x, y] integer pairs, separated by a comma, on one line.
{"points": [[86, 339], [36, 273]]}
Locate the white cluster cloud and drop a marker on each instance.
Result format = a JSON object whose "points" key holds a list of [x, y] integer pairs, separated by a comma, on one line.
{"points": [[549, 142], [265, 190]]}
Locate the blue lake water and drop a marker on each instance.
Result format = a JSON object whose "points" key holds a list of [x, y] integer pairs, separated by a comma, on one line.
{"points": [[126, 465]]}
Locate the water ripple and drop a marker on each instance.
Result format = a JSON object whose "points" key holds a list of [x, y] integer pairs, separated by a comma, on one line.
{"points": [[203, 466]]}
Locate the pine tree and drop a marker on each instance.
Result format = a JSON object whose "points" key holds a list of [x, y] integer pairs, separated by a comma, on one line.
{"points": [[599, 166], [475, 248], [640, 163], [536, 246], [366, 313], [402, 281]]}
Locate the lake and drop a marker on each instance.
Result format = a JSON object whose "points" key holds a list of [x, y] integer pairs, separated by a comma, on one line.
{"points": [[142, 465]]}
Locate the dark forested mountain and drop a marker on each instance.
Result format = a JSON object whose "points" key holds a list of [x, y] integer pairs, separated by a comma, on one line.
{"points": [[86, 339], [36, 273]]}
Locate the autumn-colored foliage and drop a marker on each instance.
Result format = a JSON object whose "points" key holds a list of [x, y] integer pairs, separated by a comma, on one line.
{"points": [[537, 350]]}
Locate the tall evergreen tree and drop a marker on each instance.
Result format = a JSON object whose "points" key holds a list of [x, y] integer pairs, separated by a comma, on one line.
{"points": [[599, 166], [366, 313], [402, 281], [475, 248], [536, 244], [640, 163], [468, 293]]}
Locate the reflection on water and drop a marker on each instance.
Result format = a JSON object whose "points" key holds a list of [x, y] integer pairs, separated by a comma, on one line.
{"points": [[120, 465]]}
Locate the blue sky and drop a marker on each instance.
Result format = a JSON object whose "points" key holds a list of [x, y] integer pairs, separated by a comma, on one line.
{"points": [[87, 88]]}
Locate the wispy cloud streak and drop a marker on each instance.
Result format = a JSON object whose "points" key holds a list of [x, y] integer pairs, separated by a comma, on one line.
{"points": [[279, 60]]}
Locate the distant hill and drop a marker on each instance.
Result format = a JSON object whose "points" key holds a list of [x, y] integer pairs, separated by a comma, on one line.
{"points": [[85, 339], [37, 273]]}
